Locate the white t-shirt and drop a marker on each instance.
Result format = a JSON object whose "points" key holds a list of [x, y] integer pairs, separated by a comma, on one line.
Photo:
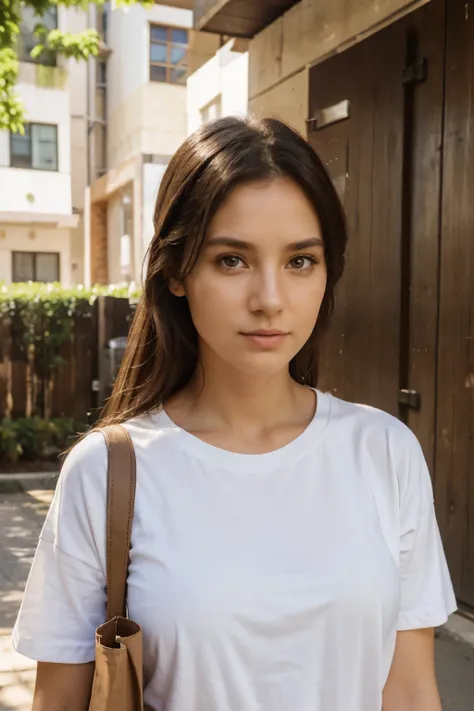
{"points": [[269, 582]]}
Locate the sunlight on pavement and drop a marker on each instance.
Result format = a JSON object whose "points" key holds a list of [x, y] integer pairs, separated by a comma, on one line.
{"points": [[21, 517]]}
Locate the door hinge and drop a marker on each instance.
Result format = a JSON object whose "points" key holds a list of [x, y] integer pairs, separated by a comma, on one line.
{"points": [[410, 398], [415, 73]]}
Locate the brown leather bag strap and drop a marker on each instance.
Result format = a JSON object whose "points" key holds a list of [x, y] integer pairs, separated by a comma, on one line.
{"points": [[120, 506]]}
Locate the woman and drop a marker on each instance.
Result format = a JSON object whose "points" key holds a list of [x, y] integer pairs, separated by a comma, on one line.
{"points": [[285, 554]]}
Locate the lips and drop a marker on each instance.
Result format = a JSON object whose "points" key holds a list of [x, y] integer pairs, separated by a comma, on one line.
{"points": [[265, 334], [266, 339]]}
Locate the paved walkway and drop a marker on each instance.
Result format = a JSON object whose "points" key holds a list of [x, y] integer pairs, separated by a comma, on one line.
{"points": [[21, 518]]}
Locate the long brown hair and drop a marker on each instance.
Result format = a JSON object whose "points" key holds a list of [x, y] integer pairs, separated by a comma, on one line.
{"points": [[162, 351]]}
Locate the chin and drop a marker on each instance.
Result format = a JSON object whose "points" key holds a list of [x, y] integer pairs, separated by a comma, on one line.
{"points": [[263, 365], [231, 356]]}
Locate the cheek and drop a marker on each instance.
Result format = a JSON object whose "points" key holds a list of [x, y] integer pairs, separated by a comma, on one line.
{"points": [[307, 296], [308, 309], [213, 300]]}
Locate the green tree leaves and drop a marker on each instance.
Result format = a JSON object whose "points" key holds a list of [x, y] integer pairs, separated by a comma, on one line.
{"points": [[79, 46]]}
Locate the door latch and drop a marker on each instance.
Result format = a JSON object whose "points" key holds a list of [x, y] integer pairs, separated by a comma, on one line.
{"points": [[410, 398]]}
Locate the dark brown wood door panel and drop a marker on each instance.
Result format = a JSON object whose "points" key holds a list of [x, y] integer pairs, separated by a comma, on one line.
{"points": [[455, 432], [404, 164], [422, 189], [360, 358]]}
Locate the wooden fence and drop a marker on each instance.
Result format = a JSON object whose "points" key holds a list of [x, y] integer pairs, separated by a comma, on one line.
{"points": [[75, 388]]}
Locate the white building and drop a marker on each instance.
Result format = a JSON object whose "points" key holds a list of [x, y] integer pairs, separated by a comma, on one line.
{"points": [[77, 190], [219, 87], [37, 219], [140, 121]]}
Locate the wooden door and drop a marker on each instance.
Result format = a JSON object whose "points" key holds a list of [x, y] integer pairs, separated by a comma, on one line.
{"points": [[455, 427], [403, 161], [386, 158], [421, 210], [360, 360]]}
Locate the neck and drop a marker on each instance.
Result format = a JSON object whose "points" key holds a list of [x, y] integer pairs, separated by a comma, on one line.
{"points": [[220, 399]]}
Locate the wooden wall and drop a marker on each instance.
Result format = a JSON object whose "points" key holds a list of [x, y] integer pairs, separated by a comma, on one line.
{"points": [[287, 101], [307, 33], [404, 321]]}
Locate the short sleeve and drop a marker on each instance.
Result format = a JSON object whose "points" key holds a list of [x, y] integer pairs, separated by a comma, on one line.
{"points": [[427, 596], [64, 600]]}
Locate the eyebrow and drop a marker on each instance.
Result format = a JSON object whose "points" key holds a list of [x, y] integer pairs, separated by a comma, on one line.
{"points": [[235, 243]]}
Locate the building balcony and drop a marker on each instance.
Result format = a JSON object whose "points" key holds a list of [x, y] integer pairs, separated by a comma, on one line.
{"points": [[238, 18], [35, 196], [43, 77]]}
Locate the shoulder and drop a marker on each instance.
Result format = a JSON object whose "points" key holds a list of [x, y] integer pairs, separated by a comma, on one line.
{"points": [[88, 456], [86, 465], [90, 453], [90, 449], [384, 446], [82, 486], [370, 425]]}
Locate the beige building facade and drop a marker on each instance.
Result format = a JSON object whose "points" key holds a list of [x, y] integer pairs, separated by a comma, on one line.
{"points": [[77, 21], [220, 86], [40, 201], [151, 52]]}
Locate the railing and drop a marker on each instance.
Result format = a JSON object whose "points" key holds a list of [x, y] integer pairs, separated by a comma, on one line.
{"points": [[42, 76]]}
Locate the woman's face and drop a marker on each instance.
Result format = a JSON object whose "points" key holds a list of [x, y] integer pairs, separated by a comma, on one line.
{"points": [[257, 287]]}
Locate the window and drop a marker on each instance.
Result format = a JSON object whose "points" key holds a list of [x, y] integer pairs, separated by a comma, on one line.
{"points": [[37, 148], [103, 21], [35, 266], [28, 39], [168, 54], [99, 131], [101, 75], [212, 111]]}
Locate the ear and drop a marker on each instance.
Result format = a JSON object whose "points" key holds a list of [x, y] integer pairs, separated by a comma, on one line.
{"points": [[177, 288]]}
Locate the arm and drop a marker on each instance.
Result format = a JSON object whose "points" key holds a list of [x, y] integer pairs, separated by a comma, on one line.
{"points": [[426, 593], [411, 685], [63, 687]]}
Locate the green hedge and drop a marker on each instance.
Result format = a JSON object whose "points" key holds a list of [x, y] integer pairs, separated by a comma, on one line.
{"points": [[37, 291], [35, 439], [44, 311], [43, 317], [37, 320]]}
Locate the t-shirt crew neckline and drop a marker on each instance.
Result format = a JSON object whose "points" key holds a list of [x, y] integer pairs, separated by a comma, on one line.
{"points": [[260, 463]]}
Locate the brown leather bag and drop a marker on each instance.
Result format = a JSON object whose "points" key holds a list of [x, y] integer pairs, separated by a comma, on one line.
{"points": [[118, 676]]}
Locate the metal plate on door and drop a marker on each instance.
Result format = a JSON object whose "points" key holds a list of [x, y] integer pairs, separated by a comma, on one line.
{"points": [[330, 115]]}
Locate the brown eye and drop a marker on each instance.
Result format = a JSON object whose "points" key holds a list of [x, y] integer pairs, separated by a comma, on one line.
{"points": [[230, 261], [302, 263], [298, 262]]}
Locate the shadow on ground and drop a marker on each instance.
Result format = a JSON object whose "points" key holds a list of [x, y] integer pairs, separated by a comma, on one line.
{"points": [[455, 671], [21, 519]]}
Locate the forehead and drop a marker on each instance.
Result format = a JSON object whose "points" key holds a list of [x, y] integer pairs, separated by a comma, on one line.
{"points": [[277, 208]]}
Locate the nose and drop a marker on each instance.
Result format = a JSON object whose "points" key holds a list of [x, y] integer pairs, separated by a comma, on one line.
{"points": [[266, 294]]}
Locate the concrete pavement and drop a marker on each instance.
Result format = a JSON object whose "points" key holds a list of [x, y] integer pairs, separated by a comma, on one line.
{"points": [[21, 518]]}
